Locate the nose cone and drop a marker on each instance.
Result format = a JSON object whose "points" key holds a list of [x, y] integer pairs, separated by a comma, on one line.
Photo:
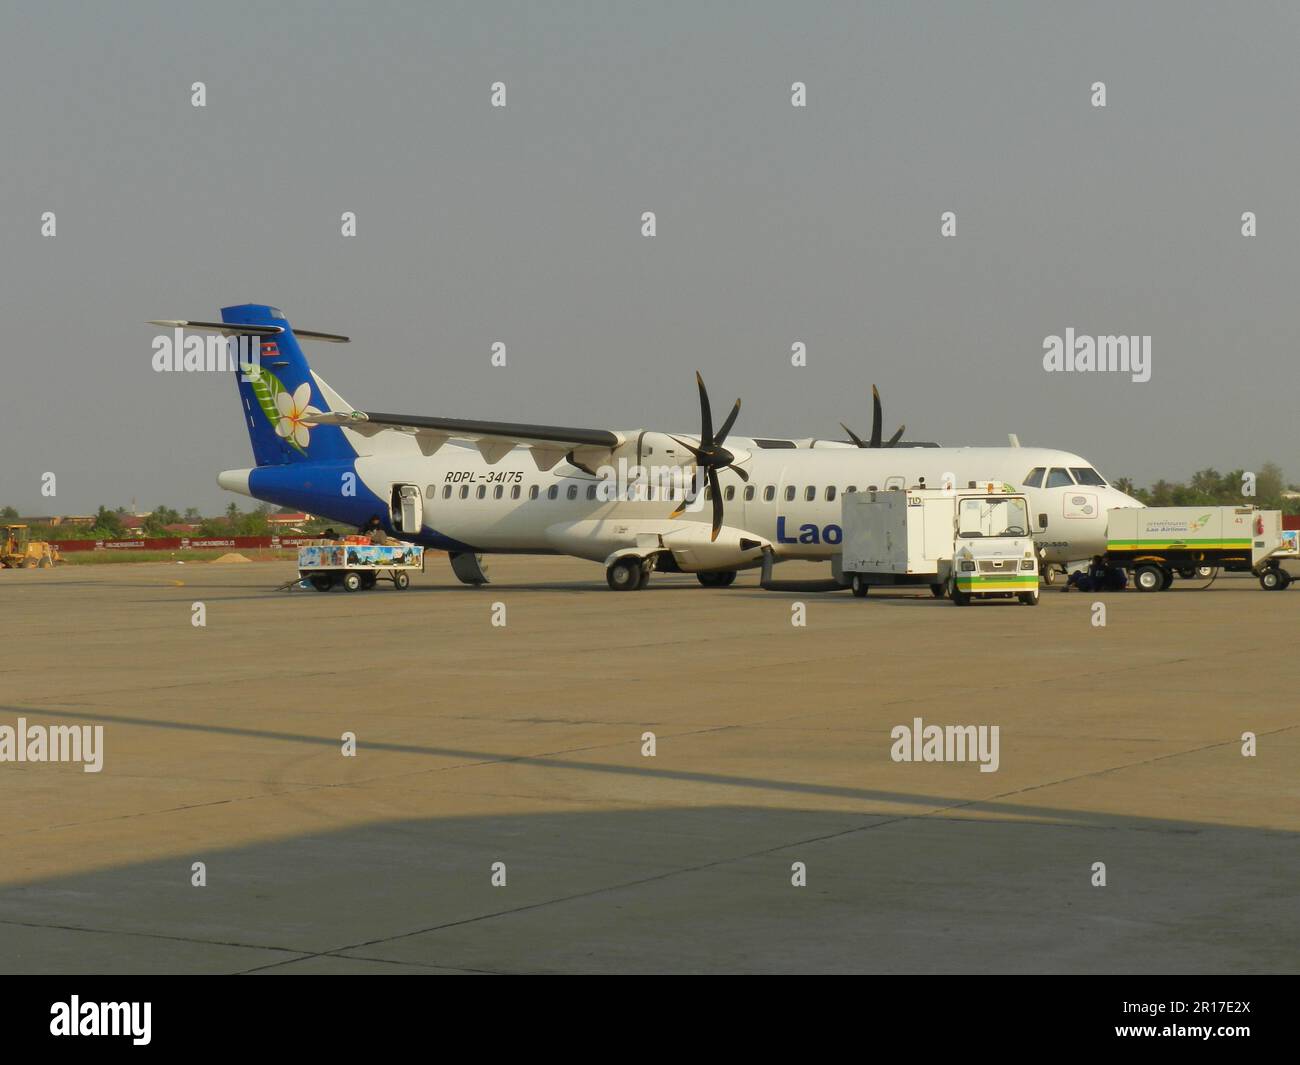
{"points": [[235, 481], [1116, 498]]}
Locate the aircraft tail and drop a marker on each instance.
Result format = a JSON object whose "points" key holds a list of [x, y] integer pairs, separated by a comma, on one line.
{"points": [[284, 389]]}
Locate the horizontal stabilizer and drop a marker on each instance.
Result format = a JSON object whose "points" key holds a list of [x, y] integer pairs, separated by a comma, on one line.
{"points": [[250, 330]]}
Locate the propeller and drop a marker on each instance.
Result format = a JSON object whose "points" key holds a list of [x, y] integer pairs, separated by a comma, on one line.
{"points": [[877, 417], [711, 456]]}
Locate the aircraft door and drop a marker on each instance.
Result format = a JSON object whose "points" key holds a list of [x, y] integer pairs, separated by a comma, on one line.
{"points": [[408, 510]]}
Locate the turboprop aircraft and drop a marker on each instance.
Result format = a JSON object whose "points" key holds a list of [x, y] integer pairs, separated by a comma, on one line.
{"points": [[635, 500]]}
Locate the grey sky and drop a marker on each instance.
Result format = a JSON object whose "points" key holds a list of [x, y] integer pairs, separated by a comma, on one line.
{"points": [[775, 224]]}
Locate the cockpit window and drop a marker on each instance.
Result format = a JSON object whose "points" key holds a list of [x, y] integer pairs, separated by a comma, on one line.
{"points": [[1034, 479], [1059, 479], [1087, 475]]}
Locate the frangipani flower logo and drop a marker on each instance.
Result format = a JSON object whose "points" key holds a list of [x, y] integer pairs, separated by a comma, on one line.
{"points": [[292, 407]]}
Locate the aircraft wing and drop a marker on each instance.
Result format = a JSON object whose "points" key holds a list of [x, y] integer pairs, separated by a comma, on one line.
{"points": [[548, 443]]}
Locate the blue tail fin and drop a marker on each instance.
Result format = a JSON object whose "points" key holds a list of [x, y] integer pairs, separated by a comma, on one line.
{"points": [[275, 399]]}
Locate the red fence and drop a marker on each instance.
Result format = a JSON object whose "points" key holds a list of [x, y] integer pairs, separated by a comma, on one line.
{"points": [[183, 543]]}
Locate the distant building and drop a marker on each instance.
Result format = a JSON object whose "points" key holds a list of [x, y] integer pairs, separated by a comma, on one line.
{"points": [[280, 521]]}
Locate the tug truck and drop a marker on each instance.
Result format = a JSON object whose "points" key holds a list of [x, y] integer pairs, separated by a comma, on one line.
{"points": [[964, 544], [1154, 542]]}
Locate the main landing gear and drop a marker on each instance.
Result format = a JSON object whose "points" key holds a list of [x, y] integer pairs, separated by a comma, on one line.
{"points": [[717, 578], [628, 574]]}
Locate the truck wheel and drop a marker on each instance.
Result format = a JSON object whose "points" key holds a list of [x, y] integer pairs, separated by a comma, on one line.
{"points": [[624, 575], [959, 598], [1271, 580], [322, 582], [1028, 598], [1167, 578], [859, 587], [351, 581], [646, 569], [401, 581], [369, 580], [1187, 572], [936, 590], [1205, 572], [1049, 576], [1149, 578]]}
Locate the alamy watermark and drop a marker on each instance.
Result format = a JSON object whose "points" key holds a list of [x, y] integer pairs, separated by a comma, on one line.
{"points": [[1103, 354]]}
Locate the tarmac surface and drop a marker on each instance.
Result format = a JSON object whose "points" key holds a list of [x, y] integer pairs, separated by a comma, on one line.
{"points": [[522, 744]]}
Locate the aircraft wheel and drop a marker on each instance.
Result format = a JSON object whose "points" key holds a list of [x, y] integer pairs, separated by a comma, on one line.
{"points": [[725, 579], [624, 575], [1049, 576], [322, 582], [351, 581], [401, 581], [859, 587], [1149, 579]]}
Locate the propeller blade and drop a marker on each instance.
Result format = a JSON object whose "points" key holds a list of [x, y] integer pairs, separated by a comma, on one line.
{"points": [[876, 417], [726, 426], [706, 413], [689, 447], [737, 471], [717, 503], [857, 440], [896, 437]]}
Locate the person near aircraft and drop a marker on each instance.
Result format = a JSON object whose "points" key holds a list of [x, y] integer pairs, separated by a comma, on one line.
{"points": [[375, 530]]}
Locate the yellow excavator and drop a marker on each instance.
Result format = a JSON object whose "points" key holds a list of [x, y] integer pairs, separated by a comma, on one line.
{"points": [[20, 551]]}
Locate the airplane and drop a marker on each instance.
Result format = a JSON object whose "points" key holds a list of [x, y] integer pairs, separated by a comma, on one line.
{"points": [[704, 503]]}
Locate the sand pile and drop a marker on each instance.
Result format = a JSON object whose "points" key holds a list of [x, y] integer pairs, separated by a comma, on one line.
{"points": [[232, 556]]}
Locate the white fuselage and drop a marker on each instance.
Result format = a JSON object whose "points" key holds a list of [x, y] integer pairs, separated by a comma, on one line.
{"points": [[511, 506]]}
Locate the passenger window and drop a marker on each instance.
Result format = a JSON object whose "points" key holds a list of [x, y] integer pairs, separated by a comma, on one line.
{"points": [[431, 491], [532, 491], [498, 491], [464, 491], [851, 488], [591, 491], [729, 493], [482, 491], [1059, 479], [553, 492], [572, 493], [749, 492], [810, 493], [769, 493], [446, 491], [708, 491], [830, 493], [514, 492], [789, 493], [1034, 479]]}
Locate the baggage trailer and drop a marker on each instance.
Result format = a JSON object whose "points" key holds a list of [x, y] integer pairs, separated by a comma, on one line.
{"points": [[1156, 542], [963, 544], [359, 566]]}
